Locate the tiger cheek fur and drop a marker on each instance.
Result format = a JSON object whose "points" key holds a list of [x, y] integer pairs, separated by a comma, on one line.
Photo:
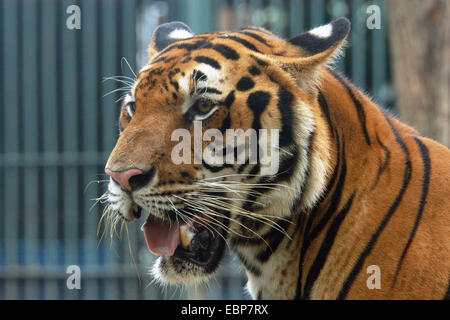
{"points": [[353, 187]]}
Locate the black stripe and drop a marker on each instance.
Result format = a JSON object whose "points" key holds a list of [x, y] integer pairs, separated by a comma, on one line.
{"points": [[257, 29], [226, 51], [285, 100], [257, 101], [335, 200], [326, 111], [248, 266], [357, 103], [259, 295], [209, 90], [362, 258], [199, 76], [308, 168], [447, 294], [274, 238], [256, 37], [425, 186], [385, 164], [244, 42], [213, 63], [312, 215], [287, 167], [325, 248]]}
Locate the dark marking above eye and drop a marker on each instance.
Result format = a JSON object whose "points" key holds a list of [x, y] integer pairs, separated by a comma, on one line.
{"points": [[186, 60], [213, 63], [245, 84], [254, 71], [226, 51], [210, 90], [199, 76], [260, 62]]}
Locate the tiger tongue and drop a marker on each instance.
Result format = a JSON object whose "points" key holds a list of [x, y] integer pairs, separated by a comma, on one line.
{"points": [[162, 237]]}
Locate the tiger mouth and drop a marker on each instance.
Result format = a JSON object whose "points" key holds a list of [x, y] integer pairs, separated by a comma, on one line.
{"points": [[189, 240]]}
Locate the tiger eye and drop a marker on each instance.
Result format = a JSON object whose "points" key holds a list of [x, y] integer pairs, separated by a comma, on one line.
{"points": [[205, 106]]}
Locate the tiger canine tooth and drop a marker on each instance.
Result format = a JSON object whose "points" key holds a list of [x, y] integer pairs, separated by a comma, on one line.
{"points": [[185, 236]]}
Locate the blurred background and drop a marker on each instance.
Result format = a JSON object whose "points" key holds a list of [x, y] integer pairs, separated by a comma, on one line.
{"points": [[58, 116]]}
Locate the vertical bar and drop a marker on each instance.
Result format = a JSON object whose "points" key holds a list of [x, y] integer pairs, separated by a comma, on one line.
{"points": [[11, 142], [277, 24], [317, 13], [240, 10], [359, 37], [70, 102], [340, 62], [296, 17], [196, 11], [89, 43], [2, 171], [379, 56], [109, 61], [31, 133], [50, 135], [128, 18]]}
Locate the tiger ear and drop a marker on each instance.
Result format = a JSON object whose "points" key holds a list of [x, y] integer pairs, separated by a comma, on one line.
{"points": [[318, 48], [323, 40], [166, 34]]}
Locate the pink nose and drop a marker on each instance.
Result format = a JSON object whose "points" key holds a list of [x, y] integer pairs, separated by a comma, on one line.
{"points": [[123, 177]]}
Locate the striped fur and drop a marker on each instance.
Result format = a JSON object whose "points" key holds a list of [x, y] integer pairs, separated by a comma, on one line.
{"points": [[356, 187]]}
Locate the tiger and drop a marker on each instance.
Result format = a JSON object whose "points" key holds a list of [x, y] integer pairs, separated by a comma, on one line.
{"points": [[358, 207]]}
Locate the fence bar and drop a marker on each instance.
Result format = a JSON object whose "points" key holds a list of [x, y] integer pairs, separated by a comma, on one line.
{"points": [[29, 62], [358, 44], [11, 139], [296, 17], [108, 111], [379, 57], [70, 105], [2, 171], [91, 81], [49, 90], [128, 19]]}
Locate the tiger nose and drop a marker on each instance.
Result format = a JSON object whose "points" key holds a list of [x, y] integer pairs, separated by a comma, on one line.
{"points": [[124, 177]]}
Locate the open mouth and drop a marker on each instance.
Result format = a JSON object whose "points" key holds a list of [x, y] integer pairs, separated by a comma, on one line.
{"points": [[188, 240]]}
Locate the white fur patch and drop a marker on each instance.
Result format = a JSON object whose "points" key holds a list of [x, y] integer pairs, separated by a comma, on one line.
{"points": [[322, 31], [180, 34], [127, 99]]}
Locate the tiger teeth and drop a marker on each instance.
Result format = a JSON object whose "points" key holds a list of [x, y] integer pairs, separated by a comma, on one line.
{"points": [[186, 236]]}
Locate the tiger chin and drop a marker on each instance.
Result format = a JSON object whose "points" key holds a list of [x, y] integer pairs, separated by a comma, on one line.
{"points": [[354, 187]]}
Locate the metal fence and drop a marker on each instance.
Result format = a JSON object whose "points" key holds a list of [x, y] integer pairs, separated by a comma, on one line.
{"points": [[58, 124]]}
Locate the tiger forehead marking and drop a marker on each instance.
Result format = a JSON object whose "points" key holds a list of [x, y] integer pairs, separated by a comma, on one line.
{"points": [[352, 186]]}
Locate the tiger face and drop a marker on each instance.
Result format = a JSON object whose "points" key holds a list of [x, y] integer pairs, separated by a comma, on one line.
{"points": [[215, 141]]}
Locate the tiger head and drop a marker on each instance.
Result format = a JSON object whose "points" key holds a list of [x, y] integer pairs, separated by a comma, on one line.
{"points": [[216, 141]]}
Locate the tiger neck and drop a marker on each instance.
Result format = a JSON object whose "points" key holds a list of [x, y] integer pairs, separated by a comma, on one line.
{"points": [[276, 272]]}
